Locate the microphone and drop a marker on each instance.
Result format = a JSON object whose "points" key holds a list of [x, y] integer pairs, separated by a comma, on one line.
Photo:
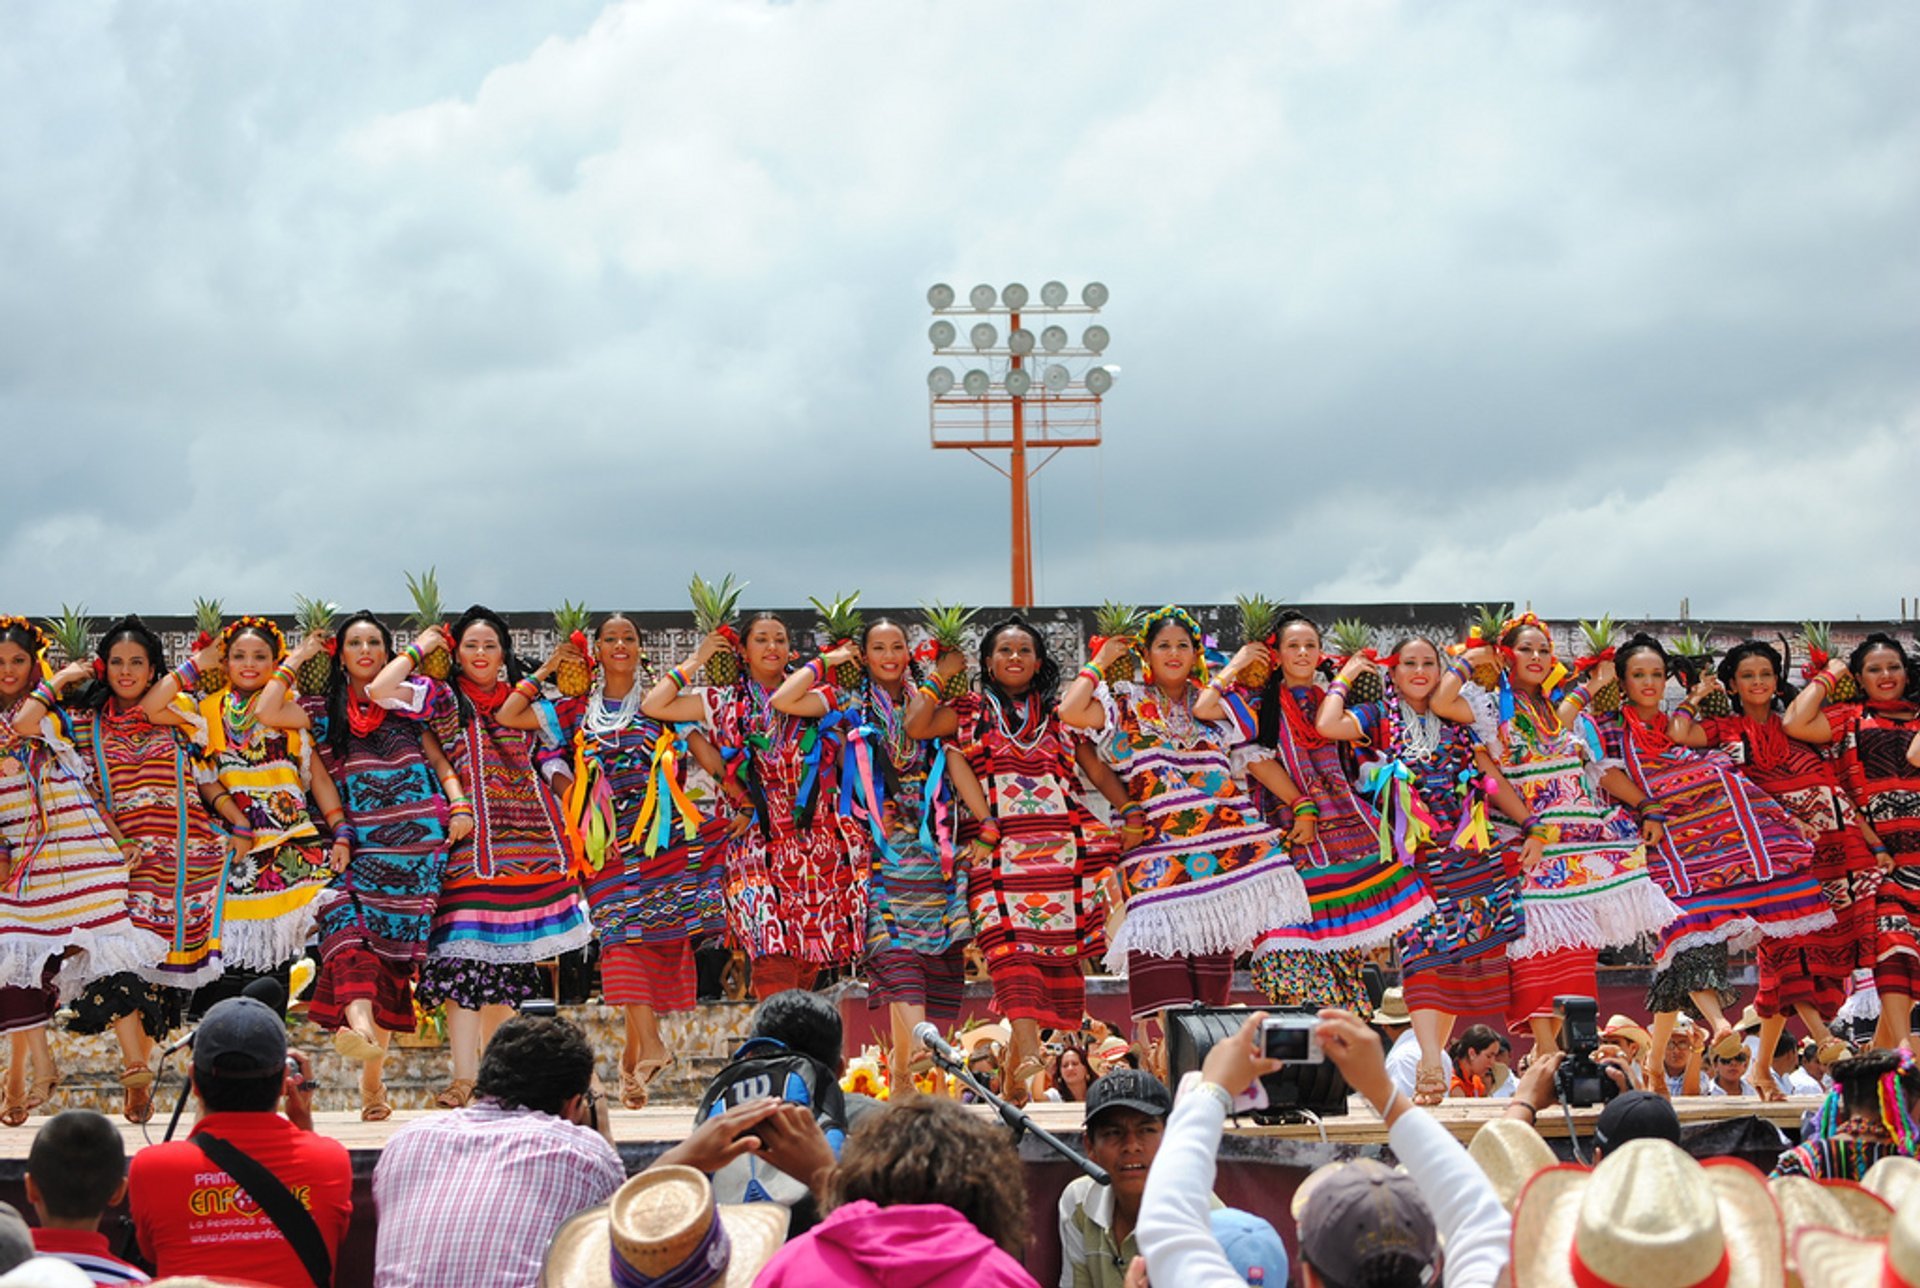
{"points": [[266, 989], [929, 1037]]}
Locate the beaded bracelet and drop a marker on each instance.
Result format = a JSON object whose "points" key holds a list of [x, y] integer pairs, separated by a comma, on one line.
{"points": [[528, 688], [1090, 672], [1684, 709], [1459, 666], [43, 694], [680, 680], [989, 832], [1338, 689], [413, 655], [461, 806], [284, 674], [818, 670], [1305, 807], [1880, 850], [930, 689], [341, 832], [187, 673], [1826, 682]]}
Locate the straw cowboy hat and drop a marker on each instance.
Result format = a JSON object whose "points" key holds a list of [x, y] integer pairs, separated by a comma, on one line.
{"points": [[1511, 1153], [1648, 1214], [1749, 1020], [1621, 1026], [662, 1226], [1393, 1008], [1830, 1259], [1892, 1178], [1807, 1204]]}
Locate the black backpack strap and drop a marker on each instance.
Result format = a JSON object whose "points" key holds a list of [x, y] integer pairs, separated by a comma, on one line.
{"points": [[277, 1201]]}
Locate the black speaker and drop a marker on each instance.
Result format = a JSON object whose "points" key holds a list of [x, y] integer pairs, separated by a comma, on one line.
{"points": [[1292, 1090]]}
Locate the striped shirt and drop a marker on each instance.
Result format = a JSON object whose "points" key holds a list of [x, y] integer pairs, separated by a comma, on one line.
{"points": [[87, 1249]]}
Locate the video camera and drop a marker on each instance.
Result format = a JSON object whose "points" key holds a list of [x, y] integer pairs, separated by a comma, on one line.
{"points": [[1581, 1080]]}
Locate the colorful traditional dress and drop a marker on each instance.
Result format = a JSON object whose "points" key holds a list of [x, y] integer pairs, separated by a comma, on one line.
{"points": [[1359, 899], [506, 901], [271, 892], [644, 879], [1455, 958], [66, 887], [1027, 897], [1873, 738], [146, 778], [374, 917], [1812, 968], [896, 789], [1593, 889], [796, 879], [1211, 875]]}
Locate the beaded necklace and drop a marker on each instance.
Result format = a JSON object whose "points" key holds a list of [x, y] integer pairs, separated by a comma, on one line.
{"points": [[1294, 700], [602, 721], [236, 713], [763, 716], [1536, 721], [1413, 736], [1030, 720], [885, 713]]}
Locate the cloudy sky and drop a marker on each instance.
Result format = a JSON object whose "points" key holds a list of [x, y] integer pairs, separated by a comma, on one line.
{"points": [[1594, 305]]}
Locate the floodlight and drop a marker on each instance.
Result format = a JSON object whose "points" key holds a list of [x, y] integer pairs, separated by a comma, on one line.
{"points": [[982, 297], [1093, 295], [1053, 294], [983, 335], [1014, 296], [1095, 338], [976, 382], [940, 295], [1099, 380], [940, 380], [943, 334], [1053, 339], [1057, 378], [1019, 382], [1020, 340]]}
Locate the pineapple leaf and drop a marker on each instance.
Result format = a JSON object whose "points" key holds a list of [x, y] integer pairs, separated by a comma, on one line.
{"points": [[1599, 635], [713, 606], [840, 616], [947, 623], [1257, 616], [1351, 636], [71, 631], [207, 616], [1112, 619], [1489, 618], [313, 615], [571, 617], [427, 608]]}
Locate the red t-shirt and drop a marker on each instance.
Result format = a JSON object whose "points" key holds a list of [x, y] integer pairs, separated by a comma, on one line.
{"points": [[191, 1219]]}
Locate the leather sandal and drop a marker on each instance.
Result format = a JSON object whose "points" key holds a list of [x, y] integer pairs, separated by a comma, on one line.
{"points": [[1429, 1085], [354, 1046], [455, 1094], [1832, 1050], [373, 1105], [138, 1104], [12, 1112], [40, 1086]]}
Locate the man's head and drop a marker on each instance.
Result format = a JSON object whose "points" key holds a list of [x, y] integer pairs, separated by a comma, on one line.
{"points": [[1786, 1055], [1730, 1062], [805, 1022], [240, 1057], [1392, 1014], [536, 1063], [16, 1240], [1876, 1085], [1810, 1062], [1634, 1115], [1679, 1049], [1126, 1111], [1366, 1223], [76, 1169]]}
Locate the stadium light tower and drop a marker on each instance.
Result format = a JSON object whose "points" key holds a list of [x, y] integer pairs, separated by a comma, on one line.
{"points": [[1024, 393]]}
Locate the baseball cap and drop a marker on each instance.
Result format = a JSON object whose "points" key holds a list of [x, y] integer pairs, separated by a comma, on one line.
{"points": [[1635, 1115], [1364, 1218], [1253, 1246], [241, 1038], [1134, 1089]]}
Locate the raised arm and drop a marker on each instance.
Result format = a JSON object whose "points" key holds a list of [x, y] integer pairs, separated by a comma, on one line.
{"points": [[1683, 725], [44, 696], [1078, 705], [157, 705], [799, 695], [1334, 720], [1805, 721], [1211, 702], [517, 712], [927, 716], [390, 684], [1448, 702], [666, 702], [1581, 694]]}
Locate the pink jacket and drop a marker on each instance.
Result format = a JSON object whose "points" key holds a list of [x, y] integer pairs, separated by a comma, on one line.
{"points": [[923, 1245]]}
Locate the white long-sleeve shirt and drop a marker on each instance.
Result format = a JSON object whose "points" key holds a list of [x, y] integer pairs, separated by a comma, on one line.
{"points": [[1175, 1232]]}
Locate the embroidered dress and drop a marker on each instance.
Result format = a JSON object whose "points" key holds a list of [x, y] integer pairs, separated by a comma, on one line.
{"points": [[917, 919], [796, 879], [645, 906], [271, 892], [506, 901], [1873, 739], [1359, 901], [67, 886], [1455, 958], [1211, 874], [1731, 859], [1027, 897], [374, 917], [1811, 968]]}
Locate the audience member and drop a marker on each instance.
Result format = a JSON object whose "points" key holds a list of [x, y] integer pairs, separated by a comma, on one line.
{"points": [[1473, 1054], [16, 1237], [281, 1219], [471, 1197], [1680, 1062], [1813, 1066], [1069, 1074], [1634, 1115], [1832, 1259], [1393, 1019], [1868, 1116], [1784, 1070], [45, 1272], [76, 1171], [1632, 1044], [662, 1227], [1731, 1060], [924, 1193], [1126, 1113], [1510, 1153]]}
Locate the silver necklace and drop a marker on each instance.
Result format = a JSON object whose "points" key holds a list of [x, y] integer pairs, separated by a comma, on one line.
{"points": [[602, 720], [1420, 733]]}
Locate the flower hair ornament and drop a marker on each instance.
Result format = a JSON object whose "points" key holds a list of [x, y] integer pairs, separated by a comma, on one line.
{"points": [[263, 625], [11, 621], [1181, 617], [1508, 627]]}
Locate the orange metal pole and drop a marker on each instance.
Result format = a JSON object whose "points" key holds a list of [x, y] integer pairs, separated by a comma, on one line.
{"points": [[1017, 475]]}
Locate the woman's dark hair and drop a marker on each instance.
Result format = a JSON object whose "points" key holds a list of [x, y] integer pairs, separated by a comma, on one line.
{"points": [[1400, 646], [1477, 1038], [26, 635], [1857, 661], [1053, 1069], [930, 1150], [96, 692], [1861, 1079], [338, 686], [276, 644], [1639, 642], [750, 773], [536, 1062], [481, 615], [804, 1021], [643, 665], [1161, 624], [1046, 671], [1730, 667], [1267, 725]]}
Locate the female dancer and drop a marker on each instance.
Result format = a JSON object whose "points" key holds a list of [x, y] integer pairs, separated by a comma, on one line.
{"points": [[144, 779], [642, 870], [1358, 901], [376, 913], [1025, 882], [1873, 735], [1208, 874], [63, 874], [505, 902], [1590, 888], [1729, 856], [1430, 778], [1807, 974], [265, 774], [917, 923], [796, 871]]}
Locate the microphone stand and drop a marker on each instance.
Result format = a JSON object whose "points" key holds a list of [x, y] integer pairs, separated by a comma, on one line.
{"points": [[1020, 1121]]}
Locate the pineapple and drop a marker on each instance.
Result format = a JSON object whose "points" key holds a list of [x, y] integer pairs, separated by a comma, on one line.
{"points": [[315, 618], [1599, 637], [71, 634], [428, 612], [713, 611], [1694, 660], [207, 616], [1819, 639], [843, 623], [947, 623], [1257, 617], [1119, 621], [1486, 627], [574, 676], [1350, 638]]}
